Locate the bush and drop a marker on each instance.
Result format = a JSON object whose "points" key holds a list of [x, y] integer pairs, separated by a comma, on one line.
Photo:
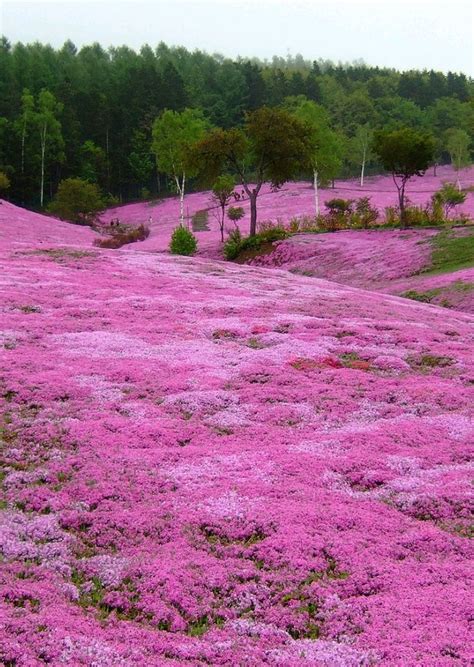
{"points": [[339, 206], [235, 213], [121, 235], [183, 242], [392, 216], [4, 182], [331, 222], [268, 232], [365, 214], [77, 201], [417, 216], [233, 244], [448, 197]]}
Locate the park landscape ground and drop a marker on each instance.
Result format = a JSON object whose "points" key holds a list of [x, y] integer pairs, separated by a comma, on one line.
{"points": [[213, 463]]}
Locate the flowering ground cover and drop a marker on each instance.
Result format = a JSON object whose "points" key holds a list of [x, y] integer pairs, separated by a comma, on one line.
{"points": [[206, 463], [293, 200], [401, 262], [388, 260]]}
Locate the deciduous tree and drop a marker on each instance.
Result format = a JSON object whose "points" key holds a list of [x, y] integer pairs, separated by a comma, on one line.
{"points": [[174, 135], [273, 147], [404, 153], [49, 127], [77, 201], [222, 192], [457, 145]]}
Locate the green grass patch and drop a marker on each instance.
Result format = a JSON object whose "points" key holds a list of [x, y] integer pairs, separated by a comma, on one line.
{"points": [[462, 286], [426, 362], [423, 297], [451, 253], [199, 221]]}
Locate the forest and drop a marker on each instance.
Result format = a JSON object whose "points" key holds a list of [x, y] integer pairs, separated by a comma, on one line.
{"points": [[89, 112]]}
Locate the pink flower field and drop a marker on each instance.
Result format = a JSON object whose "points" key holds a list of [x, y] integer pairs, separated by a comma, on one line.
{"points": [[213, 464], [293, 200]]}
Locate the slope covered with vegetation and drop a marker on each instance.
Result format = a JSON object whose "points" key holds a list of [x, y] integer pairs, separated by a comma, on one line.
{"points": [[206, 463]]}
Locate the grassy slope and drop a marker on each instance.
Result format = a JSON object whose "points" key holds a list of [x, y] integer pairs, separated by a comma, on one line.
{"points": [[452, 253]]}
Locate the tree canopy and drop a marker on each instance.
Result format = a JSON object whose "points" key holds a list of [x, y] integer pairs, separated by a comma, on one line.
{"points": [[272, 147], [107, 101], [404, 153]]}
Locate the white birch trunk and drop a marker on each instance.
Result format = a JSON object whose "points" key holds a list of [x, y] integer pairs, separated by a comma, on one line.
{"points": [[362, 171], [316, 192], [23, 134], [43, 151]]}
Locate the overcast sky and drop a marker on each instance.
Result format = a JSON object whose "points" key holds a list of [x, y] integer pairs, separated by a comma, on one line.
{"points": [[397, 33]]}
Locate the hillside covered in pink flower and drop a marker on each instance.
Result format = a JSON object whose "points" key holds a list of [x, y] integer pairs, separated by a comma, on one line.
{"points": [[213, 464], [293, 200], [392, 261]]}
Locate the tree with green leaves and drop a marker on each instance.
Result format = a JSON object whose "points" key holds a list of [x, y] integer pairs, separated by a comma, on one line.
{"points": [[93, 163], [183, 241], [222, 193], [405, 153], [4, 182], [49, 126], [272, 147], [141, 159], [457, 143], [24, 123], [174, 136], [360, 149], [326, 144], [448, 197], [78, 201]]}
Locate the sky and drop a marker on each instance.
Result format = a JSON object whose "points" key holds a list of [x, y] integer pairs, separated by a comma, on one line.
{"points": [[404, 34]]}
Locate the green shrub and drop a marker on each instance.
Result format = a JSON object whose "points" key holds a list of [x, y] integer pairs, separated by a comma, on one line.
{"points": [[4, 182], [77, 201], [339, 206], [448, 196], [121, 235], [183, 242], [423, 297], [268, 232], [417, 216], [331, 222], [392, 216], [232, 245], [364, 214], [235, 213]]}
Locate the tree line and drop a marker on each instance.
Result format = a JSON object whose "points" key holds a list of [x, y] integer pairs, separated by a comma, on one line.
{"points": [[90, 112]]}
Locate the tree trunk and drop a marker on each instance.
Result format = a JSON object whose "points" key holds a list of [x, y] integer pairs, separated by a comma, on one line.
{"points": [[180, 189], [43, 151], [23, 134], [434, 168], [253, 212], [107, 161], [181, 200], [316, 192], [401, 203], [362, 169], [222, 222]]}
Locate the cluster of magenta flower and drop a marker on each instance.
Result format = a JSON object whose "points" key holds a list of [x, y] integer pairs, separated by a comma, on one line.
{"points": [[206, 463]]}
